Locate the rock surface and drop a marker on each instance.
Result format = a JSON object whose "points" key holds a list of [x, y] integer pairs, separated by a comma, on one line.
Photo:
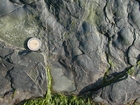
{"points": [[90, 46], [22, 75]]}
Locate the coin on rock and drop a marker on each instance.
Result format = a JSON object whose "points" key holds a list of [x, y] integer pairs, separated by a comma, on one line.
{"points": [[34, 44]]}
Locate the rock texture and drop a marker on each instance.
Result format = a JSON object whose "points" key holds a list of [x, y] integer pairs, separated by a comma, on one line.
{"points": [[90, 46], [22, 75]]}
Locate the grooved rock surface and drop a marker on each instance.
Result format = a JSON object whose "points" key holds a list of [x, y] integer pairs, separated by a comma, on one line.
{"points": [[22, 75], [90, 45]]}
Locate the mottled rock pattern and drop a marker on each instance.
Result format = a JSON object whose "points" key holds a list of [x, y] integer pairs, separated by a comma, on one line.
{"points": [[90, 46]]}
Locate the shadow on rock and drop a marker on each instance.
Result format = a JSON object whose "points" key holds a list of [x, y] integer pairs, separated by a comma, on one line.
{"points": [[105, 81]]}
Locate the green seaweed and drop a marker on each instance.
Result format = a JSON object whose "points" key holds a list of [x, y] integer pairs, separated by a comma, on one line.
{"points": [[138, 63]]}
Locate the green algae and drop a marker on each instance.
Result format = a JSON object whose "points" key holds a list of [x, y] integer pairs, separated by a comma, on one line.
{"points": [[131, 71], [60, 100]]}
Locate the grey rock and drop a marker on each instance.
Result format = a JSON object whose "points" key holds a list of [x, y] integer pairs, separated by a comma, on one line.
{"points": [[15, 58], [28, 1], [5, 52], [16, 1], [133, 55], [4, 84], [121, 92], [83, 41], [21, 75], [132, 18], [10, 7], [124, 39], [33, 81], [60, 82], [138, 100]]}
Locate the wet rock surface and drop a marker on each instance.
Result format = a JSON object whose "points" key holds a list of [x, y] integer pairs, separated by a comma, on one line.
{"points": [[90, 46]]}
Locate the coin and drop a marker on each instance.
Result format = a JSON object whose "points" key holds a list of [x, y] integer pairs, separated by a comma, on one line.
{"points": [[34, 44]]}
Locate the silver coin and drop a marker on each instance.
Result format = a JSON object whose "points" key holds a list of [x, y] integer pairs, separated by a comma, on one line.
{"points": [[34, 44]]}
